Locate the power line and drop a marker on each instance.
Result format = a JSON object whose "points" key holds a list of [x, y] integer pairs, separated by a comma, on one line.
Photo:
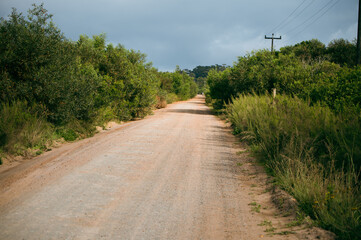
{"points": [[314, 15], [317, 18], [281, 23], [302, 10]]}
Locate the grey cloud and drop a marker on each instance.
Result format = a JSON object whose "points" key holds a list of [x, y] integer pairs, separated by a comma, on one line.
{"points": [[192, 32]]}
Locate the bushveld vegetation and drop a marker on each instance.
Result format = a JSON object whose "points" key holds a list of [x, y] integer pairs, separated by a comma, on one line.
{"points": [[51, 87], [309, 135]]}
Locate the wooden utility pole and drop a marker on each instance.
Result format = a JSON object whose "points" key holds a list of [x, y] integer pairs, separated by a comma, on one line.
{"points": [[358, 61], [273, 37]]}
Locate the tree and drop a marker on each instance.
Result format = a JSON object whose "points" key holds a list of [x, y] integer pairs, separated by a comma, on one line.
{"points": [[341, 51], [39, 65], [310, 50]]}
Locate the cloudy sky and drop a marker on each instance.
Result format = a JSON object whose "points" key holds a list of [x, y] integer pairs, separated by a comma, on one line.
{"points": [[189, 33]]}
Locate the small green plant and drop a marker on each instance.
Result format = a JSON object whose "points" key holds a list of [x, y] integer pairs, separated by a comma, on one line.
{"points": [[39, 152], [68, 134], [256, 208], [300, 219], [271, 229], [265, 223], [241, 152], [239, 164]]}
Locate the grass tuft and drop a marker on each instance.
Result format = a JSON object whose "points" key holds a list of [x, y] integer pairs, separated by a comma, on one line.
{"points": [[22, 127]]}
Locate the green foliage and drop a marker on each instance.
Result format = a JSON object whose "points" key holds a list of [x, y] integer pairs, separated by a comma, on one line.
{"points": [[127, 83], [172, 97], [75, 129], [312, 151], [179, 83], [343, 52], [341, 91], [309, 134], [67, 134], [200, 74], [314, 81], [310, 50], [75, 84], [22, 128], [38, 64], [219, 83]]}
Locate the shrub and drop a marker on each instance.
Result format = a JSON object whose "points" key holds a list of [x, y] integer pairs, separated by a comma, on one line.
{"points": [[172, 97], [314, 80]]}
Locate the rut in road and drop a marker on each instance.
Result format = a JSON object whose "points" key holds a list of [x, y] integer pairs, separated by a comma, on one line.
{"points": [[172, 175]]}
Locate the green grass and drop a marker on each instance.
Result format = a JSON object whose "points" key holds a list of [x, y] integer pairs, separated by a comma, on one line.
{"points": [[313, 153], [22, 128], [255, 207]]}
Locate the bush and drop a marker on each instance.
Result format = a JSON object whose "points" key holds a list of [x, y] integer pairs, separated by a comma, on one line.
{"points": [[172, 97], [314, 80], [161, 99], [37, 64]]}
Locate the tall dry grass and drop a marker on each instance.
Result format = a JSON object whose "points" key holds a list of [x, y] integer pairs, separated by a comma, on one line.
{"points": [[314, 154], [22, 128]]}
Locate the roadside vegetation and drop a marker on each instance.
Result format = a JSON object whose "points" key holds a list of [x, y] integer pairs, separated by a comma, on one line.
{"points": [[309, 135], [52, 87]]}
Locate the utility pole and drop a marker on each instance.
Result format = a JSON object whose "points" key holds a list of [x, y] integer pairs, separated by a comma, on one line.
{"points": [[273, 38], [358, 61]]}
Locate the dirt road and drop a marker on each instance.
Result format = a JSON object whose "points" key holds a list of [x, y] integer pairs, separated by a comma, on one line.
{"points": [[173, 175]]}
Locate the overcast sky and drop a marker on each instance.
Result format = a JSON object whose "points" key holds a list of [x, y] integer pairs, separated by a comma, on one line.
{"points": [[189, 33]]}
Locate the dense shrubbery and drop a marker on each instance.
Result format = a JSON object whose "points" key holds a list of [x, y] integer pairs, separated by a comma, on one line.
{"points": [[313, 80], [71, 86]]}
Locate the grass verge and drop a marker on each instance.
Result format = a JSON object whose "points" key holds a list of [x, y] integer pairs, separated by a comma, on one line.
{"points": [[25, 131], [313, 153], [23, 128]]}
